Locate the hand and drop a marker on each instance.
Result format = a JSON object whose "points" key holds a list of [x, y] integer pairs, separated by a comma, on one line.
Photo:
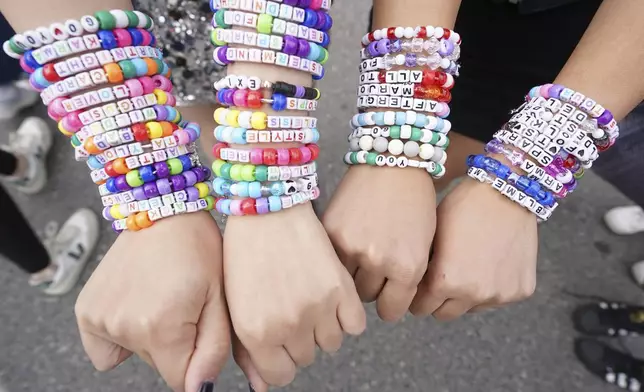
{"points": [[158, 293], [485, 254], [381, 222], [286, 291]]}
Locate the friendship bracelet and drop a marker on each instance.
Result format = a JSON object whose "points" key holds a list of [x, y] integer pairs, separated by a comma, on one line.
{"points": [[406, 90], [411, 60], [397, 147], [52, 73], [60, 107], [255, 84], [518, 159], [148, 173], [193, 193], [254, 100], [267, 24], [261, 120], [113, 73], [262, 173], [162, 186], [101, 20], [405, 103], [436, 170], [150, 131], [256, 189], [531, 187], [411, 32], [224, 55], [512, 193], [390, 118], [263, 205], [305, 14], [404, 132], [146, 219], [425, 77], [233, 135], [110, 194], [267, 156], [445, 48], [139, 157]]}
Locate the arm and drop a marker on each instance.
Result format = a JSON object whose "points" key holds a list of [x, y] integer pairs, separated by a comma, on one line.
{"points": [[149, 310]]}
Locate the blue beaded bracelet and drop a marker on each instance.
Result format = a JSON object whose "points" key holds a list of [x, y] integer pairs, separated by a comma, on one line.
{"points": [[389, 118]]}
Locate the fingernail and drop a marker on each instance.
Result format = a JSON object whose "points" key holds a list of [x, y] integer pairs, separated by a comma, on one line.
{"points": [[250, 387], [207, 387]]}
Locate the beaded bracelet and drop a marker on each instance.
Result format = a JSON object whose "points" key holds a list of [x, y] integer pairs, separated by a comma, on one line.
{"points": [[248, 172], [257, 189], [261, 120], [254, 100], [101, 20], [113, 211], [411, 60], [436, 170], [225, 55], [444, 48], [287, 44], [309, 15], [404, 103], [113, 73], [396, 147], [404, 132], [389, 118], [267, 156], [148, 173], [255, 84], [244, 136], [406, 90], [411, 32], [266, 24], [129, 162], [111, 194], [138, 87], [425, 77], [52, 73], [264, 205]]}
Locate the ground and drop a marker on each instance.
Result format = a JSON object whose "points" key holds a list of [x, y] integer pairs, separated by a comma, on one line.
{"points": [[523, 348]]}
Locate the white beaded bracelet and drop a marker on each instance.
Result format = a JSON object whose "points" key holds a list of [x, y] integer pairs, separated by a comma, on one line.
{"points": [[397, 147]]}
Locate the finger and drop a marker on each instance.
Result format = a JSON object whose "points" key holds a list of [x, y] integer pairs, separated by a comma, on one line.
{"points": [[483, 308], [452, 309], [394, 300], [301, 348], [369, 285], [104, 354], [171, 353], [426, 303], [328, 334], [212, 343], [242, 357], [351, 314], [274, 365]]}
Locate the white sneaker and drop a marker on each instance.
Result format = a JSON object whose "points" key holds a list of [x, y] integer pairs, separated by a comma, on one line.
{"points": [[33, 140], [15, 97], [72, 248], [638, 272], [625, 220]]}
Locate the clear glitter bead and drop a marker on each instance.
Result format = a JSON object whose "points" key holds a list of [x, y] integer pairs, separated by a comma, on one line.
{"points": [[431, 45], [389, 61], [422, 61], [406, 45], [417, 45], [433, 61], [456, 54]]}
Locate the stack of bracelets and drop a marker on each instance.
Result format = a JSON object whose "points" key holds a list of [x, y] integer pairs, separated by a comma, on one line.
{"points": [[105, 83], [406, 77], [287, 33], [549, 141]]}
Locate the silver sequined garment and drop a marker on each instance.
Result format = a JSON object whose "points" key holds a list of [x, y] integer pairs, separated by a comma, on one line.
{"points": [[183, 29]]}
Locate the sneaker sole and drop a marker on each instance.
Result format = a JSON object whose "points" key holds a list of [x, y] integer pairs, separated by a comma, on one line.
{"points": [[68, 284]]}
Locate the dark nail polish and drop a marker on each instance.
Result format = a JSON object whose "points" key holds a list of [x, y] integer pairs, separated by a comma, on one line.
{"points": [[207, 387], [250, 387]]}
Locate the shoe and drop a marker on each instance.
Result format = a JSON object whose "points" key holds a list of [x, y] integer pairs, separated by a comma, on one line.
{"points": [[611, 365], [33, 140], [609, 319], [638, 272], [15, 97], [72, 248], [625, 220]]}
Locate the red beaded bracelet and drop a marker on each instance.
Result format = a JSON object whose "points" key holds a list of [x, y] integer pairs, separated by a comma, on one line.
{"points": [[267, 156]]}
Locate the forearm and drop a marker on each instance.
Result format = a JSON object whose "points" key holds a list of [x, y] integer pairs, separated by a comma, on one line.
{"points": [[440, 13], [25, 15], [608, 63]]}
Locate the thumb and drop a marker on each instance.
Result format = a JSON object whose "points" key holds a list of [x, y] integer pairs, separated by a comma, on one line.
{"points": [[104, 354], [212, 343], [242, 357]]}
